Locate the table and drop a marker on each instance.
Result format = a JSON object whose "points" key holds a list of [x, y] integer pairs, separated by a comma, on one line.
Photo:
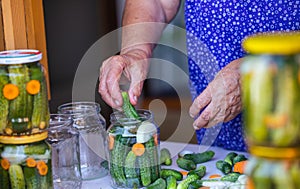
{"points": [[175, 148]]}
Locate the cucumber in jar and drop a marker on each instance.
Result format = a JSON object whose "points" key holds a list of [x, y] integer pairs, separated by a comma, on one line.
{"points": [[4, 103]]}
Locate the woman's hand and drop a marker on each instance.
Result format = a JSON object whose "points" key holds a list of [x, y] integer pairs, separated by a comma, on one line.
{"points": [[221, 100], [134, 65]]}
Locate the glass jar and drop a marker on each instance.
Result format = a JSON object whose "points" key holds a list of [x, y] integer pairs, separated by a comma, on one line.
{"points": [[273, 173], [23, 93], [90, 124], [133, 150], [271, 94], [25, 162]]}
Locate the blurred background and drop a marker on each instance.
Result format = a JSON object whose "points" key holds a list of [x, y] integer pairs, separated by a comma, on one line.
{"points": [[73, 26]]}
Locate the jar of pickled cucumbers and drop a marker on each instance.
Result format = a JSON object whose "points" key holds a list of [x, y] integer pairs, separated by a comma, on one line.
{"points": [[25, 162], [23, 93], [271, 94], [133, 150]]}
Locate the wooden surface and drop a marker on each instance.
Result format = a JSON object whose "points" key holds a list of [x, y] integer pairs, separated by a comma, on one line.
{"points": [[22, 27]]}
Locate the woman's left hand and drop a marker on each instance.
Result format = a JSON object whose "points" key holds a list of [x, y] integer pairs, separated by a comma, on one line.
{"points": [[221, 100]]}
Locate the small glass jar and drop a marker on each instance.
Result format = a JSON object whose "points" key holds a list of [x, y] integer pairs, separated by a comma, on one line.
{"points": [[90, 124], [25, 162], [273, 173], [133, 150], [271, 94], [23, 93]]}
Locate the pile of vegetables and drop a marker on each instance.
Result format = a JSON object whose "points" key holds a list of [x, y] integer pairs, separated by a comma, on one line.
{"points": [[23, 97]]}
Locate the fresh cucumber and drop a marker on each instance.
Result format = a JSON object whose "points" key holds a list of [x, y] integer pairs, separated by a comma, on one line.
{"points": [[20, 108], [200, 171], [200, 157], [186, 164], [158, 184], [187, 181], [165, 173], [238, 158], [223, 166], [171, 182], [4, 103], [152, 152], [165, 157], [4, 179], [130, 170], [229, 157], [231, 177], [16, 176], [145, 170], [128, 108]]}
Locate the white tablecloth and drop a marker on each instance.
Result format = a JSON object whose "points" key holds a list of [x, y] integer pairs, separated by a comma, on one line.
{"points": [[175, 148]]}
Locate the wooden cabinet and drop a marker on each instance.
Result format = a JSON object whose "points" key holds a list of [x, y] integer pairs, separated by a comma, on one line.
{"points": [[22, 27]]}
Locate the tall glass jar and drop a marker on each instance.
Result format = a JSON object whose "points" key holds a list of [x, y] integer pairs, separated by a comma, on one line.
{"points": [[271, 94], [90, 124], [23, 93], [133, 150], [25, 162]]}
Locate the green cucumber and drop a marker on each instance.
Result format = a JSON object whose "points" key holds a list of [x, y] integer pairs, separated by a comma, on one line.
{"points": [[158, 184], [200, 171], [152, 152], [171, 182], [128, 108], [165, 173], [4, 103], [223, 166], [39, 149], [186, 164], [229, 158], [165, 157], [200, 157], [31, 177], [16, 176], [20, 108], [238, 158], [231, 177], [130, 170], [187, 181], [145, 170], [4, 179]]}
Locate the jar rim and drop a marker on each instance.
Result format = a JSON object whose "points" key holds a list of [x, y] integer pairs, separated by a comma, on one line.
{"points": [[119, 115], [76, 108], [59, 121], [20, 56]]}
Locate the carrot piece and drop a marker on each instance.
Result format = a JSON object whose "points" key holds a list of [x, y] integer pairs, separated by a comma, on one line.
{"points": [[276, 121], [33, 87], [30, 162], [239, 167], [42, 168], [5, 164], [250, 184], [10, 91], [155, 137], [184, 173], [138, 149], [111, 141], [214, 176]]}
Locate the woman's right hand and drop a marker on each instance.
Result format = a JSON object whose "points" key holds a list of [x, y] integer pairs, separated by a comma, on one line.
{"points": [[134, 65]]}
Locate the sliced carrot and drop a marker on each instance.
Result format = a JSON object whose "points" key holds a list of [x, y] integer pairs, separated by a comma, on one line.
{"points": [[30, 162], [5, 164], [215, 176], [10, 91], [138, 149], [155, 137], [184, 173], [111, 141], [250, 184], [43, 169], [40, 164], [33, 87], [276, 121], [239, 167]]}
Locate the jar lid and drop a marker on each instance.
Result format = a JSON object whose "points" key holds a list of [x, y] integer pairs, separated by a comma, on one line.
{"points": [[20, 56], [279, 43], [23, 139]]}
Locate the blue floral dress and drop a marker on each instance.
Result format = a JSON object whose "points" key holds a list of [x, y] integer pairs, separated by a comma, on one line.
{"points": [[215, 30]]}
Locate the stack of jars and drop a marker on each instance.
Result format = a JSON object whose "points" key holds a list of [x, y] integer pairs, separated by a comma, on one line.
{"points": [[25, 156], [271, 99]]}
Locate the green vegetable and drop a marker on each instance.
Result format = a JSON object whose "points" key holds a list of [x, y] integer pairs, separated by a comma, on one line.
{"points": [[171, 182], [223, 166], [4, 103], [4, 179], [200, 157], [128, 108], [165, 157], [130, 170], [104, 164], [32, 179], [186, 164], [16, 176], [145, 170], [231, 177], [20, 108], [229, 158], [186, 182], [152, 152], [239, 158], [158, 184], [36, 149], [200, 171], [165, 173]]}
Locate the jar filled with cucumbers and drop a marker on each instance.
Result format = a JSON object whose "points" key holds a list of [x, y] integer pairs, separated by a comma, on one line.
{"points": [[133, 143], [25, 162], [271, 94], [23, 93]]}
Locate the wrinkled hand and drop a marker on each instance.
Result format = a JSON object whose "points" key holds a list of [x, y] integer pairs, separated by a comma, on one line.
{"points": [[221, 100], [134, 65]]}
